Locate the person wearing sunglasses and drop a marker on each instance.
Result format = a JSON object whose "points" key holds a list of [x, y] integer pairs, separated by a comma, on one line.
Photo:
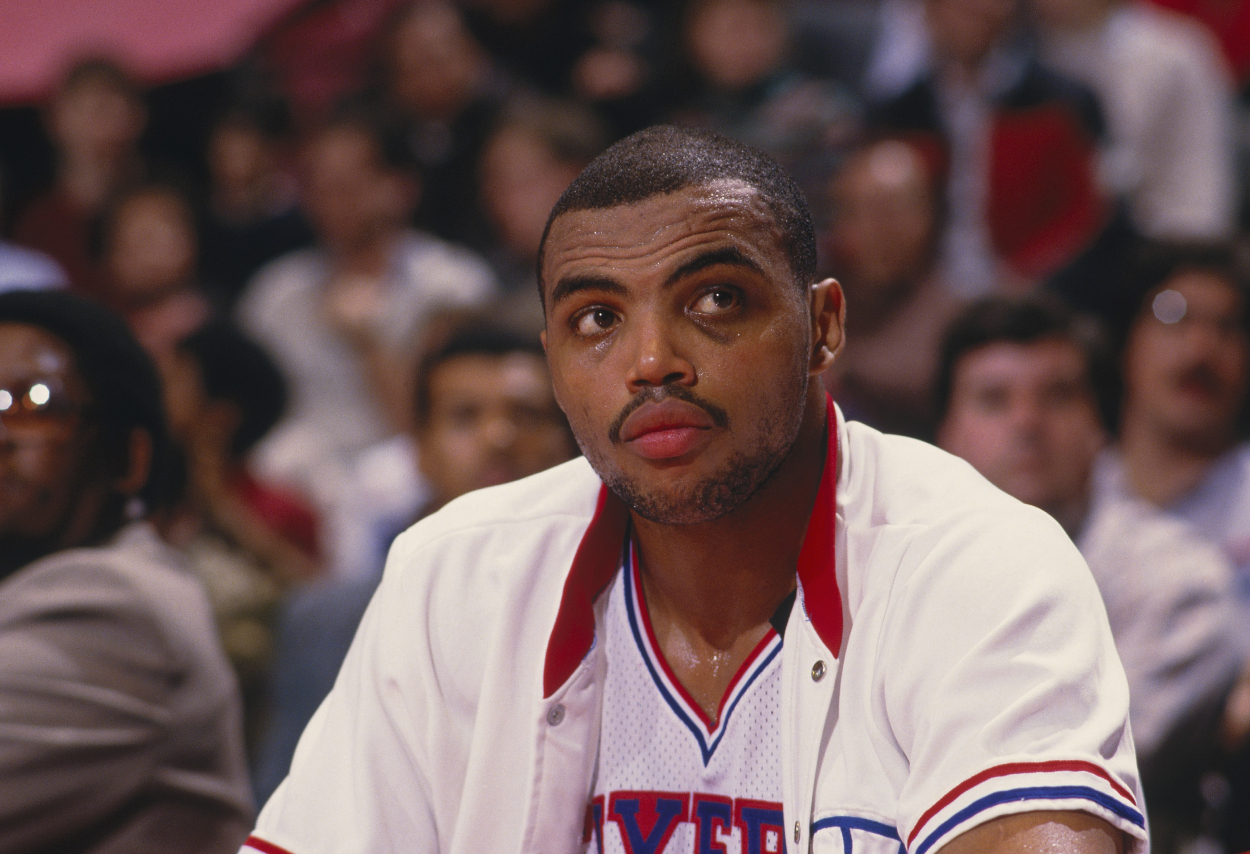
{"points": [[119, 716]]}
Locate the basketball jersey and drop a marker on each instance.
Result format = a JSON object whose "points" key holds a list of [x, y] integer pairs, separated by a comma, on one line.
{"points": [[668, 780]]}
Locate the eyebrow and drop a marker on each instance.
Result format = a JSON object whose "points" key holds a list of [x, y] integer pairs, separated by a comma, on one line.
{"points": [[565, 288], [729, 255]]}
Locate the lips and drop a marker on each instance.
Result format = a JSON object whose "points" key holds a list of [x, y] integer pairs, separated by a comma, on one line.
{"points": [[666, 430]]}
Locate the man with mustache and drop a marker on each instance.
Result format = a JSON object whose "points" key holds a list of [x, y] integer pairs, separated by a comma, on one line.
{"points": [[741, 624], [1186, 364]]}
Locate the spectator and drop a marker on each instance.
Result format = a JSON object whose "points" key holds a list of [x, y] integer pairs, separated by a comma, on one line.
{"points": [[244, 538], [1023, 397], [1168, 101], [1186, 366], [253, 215], [95, 120], [747, 87], [149, 248], [341, 319], [120, 714], [1018, 143], [485, 414], [448, 93], [882, 244]]}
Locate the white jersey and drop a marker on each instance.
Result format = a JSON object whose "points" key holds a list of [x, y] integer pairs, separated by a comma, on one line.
{"points": [[947, 662], [670, 780]]}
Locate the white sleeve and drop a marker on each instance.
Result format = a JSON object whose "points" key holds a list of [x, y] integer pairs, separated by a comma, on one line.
{"points": [[1005, 692], [358, 781]]}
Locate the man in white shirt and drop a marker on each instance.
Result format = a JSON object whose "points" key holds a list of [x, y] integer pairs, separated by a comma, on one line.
{"points": [[741, 623]]}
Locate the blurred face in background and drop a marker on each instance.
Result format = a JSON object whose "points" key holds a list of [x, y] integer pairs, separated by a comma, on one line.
{"points": [[884, 226], [436, 66], [734, 43], [1025, 416], [1185, 362], [492, 419], [521, 180], [350, 196], [95, 118], [150, 246]]}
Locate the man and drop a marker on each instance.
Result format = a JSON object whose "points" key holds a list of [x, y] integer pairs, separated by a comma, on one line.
{"points": [[1186, 367], [1019, 396], [485, 415], [594, 656], [119, 716], [343, 319]]}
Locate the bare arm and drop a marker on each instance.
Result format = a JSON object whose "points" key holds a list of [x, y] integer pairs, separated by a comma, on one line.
{"points": [[1040, 833]]}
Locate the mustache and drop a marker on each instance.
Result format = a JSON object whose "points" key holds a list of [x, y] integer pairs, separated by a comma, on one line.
{"points": [[1202, 376], [655, 394]]}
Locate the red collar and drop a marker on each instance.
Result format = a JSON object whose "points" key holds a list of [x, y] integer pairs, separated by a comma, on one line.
{"points": [[599, 557]]}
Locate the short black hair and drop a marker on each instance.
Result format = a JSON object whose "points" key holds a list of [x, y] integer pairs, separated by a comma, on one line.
{"points": [[666, 159], [121, 378], [471, 338], [1027, 319], [235, 368]]}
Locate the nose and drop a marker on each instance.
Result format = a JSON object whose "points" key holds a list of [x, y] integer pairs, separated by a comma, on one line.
{"points": [[656, 357], [500, 432]]}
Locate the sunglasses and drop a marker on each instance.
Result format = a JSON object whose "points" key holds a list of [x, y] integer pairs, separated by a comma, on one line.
{"points": [[35, 408]]}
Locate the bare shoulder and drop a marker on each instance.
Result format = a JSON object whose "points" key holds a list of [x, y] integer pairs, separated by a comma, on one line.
{"points": [[1036, 832]]}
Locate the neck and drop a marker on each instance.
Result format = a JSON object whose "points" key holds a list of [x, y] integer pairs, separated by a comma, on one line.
{"points": [[723, 579], [370, 256], [1162, 465]]}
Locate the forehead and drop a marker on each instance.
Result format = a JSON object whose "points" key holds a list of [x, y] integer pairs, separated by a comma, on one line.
{"points": [[1215, 292], [28, 351], [1046, 360], [662, 232]]}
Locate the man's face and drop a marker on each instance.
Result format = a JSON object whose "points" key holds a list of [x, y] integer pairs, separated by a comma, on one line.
{"points": [[46, 459], [492, 419], [1025, 417], [1185, 363], [348, 195], [679, 347]]}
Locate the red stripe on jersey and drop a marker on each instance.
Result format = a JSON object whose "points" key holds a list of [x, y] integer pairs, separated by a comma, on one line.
{"points": [[818, 559], [597, 560], [656, 653], [258, 844], [1020, 768]]}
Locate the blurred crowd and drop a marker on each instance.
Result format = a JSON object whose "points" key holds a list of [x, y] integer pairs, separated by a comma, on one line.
{"points": [[1037, 210]]}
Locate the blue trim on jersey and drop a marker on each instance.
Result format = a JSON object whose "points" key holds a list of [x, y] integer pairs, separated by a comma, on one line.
{"points": [[1035, 793], [847, 823], [705, 749]]}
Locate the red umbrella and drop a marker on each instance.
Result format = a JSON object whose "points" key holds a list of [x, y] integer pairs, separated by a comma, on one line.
{"points": [[154, 40]]}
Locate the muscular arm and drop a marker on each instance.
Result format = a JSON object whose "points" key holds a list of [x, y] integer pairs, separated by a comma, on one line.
{"points": [[1040, 832]]}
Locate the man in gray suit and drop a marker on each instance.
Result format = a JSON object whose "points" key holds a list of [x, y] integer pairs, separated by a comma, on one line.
{"points": [[119, 716]]}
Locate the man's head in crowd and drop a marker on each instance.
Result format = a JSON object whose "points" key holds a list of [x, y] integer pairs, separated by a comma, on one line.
{"points": [[884, 225], [435, 66], [360, 181], [485, 412], [82, 430], [736, 43], [97, 113], [683, 323], [535, 151], [1186, 357], [1024, 392], [963, 32]]}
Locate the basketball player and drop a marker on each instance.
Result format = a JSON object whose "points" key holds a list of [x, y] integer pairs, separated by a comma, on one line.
{"points": [[740, 624]]}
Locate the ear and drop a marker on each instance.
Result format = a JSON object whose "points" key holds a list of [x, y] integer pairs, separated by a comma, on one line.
{"points": [[138, 465], [542, 336], [828, 309]]}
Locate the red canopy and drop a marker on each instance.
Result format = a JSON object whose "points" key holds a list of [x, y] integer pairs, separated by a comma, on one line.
{"points": [[154, 40]]}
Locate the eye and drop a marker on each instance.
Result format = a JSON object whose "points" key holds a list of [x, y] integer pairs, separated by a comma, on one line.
{"points": [[594, 321], [717, 301]]}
